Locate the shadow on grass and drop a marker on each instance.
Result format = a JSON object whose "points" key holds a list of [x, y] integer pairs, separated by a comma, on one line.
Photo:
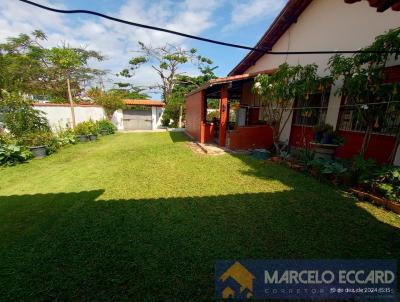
{"points": [[178, 136], [73, 246]]}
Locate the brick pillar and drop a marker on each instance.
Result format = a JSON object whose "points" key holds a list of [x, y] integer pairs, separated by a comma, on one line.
{"points": [[223, 109]]}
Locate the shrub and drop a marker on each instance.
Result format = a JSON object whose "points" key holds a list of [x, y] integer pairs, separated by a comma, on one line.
{"points": [[13, 154], [305, 157], [82, 128], [363, 169], [65, 137], [19, 117], [387, 182], [106, 126], [111, 101], [7, 138]]}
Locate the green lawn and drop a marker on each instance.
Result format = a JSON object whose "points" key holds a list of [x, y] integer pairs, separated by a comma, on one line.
{"points": [[141, 217]]}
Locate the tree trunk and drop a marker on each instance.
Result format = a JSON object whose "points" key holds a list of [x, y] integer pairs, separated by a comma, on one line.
{"points": [[396, 147], [71, 103], [367, 138], [180, 117]]}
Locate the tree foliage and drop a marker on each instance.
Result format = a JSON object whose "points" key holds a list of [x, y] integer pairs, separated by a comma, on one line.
{"points": [[279, 90], [166, 61], [111, 101], [29, 67], [364, 81], [19, 117]]}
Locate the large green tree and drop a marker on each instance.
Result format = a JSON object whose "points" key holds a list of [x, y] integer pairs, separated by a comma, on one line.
{"points": [[167, 62]]}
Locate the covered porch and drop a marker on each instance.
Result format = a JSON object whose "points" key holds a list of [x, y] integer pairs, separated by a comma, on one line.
{"points": [[235, 122]]}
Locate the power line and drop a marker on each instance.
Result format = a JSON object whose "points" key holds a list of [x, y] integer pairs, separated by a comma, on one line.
{"points": [[265, 51]]}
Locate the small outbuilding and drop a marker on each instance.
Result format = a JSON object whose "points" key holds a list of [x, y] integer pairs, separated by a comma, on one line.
{"points": [[139, 115]]}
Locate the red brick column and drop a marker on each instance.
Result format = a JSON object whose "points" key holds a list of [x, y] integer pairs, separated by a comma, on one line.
{"points": [[223, 109]]}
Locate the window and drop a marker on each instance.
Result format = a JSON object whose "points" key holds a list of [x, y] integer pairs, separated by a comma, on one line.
{"points": [[350, 118], [311, 111]]}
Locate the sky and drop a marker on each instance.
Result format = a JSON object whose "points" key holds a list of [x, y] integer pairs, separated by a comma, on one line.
{"points": [[234, 21]]}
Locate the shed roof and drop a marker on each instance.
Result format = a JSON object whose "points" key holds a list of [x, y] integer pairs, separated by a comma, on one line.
{"points": [[143, 102]]}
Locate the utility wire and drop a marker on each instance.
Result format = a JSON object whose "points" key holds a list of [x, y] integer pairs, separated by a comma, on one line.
{"points": [[326, 107], [262, 50]]}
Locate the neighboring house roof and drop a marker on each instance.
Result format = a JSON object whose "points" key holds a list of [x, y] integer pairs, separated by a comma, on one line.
{"points": [[64, 105], [380, 5], [230, 79], [289, 14], [285, 19], [144, 102]]}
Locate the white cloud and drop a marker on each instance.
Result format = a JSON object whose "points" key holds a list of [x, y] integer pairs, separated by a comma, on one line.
{"points": [[250, 11], [116, 41]]}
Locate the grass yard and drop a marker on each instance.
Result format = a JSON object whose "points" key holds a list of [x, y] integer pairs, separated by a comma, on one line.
{"points": [[141, 217]]}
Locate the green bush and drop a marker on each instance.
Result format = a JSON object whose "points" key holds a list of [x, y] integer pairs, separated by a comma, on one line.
{"points": [[363, 170], [106, 126], [387, 182], [65, 137], [19, 117], [86, 128], [7, 138], [13, 154]]}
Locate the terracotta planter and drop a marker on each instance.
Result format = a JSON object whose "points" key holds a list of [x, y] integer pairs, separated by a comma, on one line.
{"points": [[276, 159], [388, 204], [38, 151]]}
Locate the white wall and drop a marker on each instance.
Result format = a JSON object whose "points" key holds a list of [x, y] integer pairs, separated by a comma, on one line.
{"points": [[156, 113], [328, 25], [118, 119], [60, 115]]}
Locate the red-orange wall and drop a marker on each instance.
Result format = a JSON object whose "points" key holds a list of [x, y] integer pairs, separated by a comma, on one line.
{"points": [[251, 137], [300, 136], [194, 114], [208, 133], [380, 146]]}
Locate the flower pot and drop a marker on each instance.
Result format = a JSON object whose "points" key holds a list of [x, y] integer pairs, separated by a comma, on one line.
{"points": [[92, 137], [104, 132], [318, 137], [83, 138], [327, 138], [38, 151], [324, 151]]}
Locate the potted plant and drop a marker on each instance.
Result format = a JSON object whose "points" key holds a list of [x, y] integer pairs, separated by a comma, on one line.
{"points": [[93, 130], [106, 127], [318, 131], [37, 143], [327, 136], [326, 140], [82, 131]]}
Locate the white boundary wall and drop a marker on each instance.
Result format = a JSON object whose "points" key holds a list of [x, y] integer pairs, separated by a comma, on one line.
{"points": [[59, 115]]}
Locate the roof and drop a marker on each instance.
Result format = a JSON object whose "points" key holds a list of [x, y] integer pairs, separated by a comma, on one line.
{"points": [[230, 79], [289, 14], [144, 102], [282, 22], [42, 104], [381, 5]]}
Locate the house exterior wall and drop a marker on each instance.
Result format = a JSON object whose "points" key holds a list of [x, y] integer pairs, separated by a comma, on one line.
{"points": [[195, 104], [59, 115], [252, 137], [328, 25]]}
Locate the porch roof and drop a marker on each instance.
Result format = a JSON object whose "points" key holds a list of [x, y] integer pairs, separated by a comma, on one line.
{"points": [[212, 87]]}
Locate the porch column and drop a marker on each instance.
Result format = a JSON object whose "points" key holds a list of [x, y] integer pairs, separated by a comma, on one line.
{"points": [[223, 121]]}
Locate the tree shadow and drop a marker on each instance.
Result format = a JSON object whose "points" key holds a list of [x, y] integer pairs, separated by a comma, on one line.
{"points": [[76, 246], [178, 136]]}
